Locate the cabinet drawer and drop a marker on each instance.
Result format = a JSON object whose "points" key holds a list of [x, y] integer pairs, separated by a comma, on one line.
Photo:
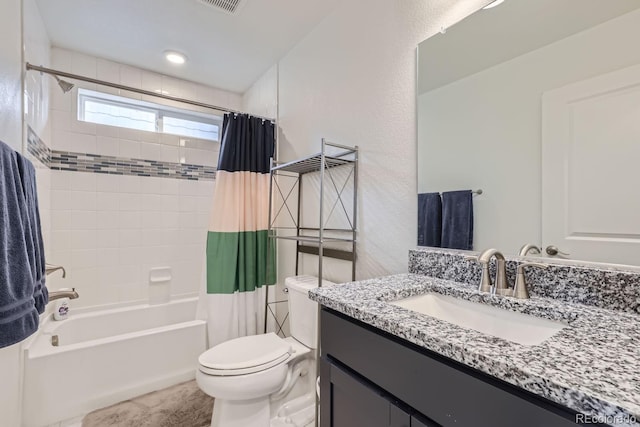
{"points": [[443, 390]]}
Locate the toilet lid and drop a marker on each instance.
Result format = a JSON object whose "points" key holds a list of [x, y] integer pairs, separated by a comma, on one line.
{"points": [[245, 355]]}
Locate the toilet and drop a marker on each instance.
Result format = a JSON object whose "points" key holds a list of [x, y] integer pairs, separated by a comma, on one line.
{"points": [[266, 380]]}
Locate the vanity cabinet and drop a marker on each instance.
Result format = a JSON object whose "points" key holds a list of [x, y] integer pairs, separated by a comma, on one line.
{"points": [[370, 378], [356, 403]]}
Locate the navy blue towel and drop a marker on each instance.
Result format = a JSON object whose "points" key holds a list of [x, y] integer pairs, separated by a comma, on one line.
{"points": [[429, 219], [457, 220], [35, 244], [22, 291]]}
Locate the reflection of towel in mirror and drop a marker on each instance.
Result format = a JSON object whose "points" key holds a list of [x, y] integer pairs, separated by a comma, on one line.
{"points": [[457, 220], [429, 219], [22, 291]]}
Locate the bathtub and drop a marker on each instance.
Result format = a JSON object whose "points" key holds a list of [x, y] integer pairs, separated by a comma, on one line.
{"points": [[104, 357]]}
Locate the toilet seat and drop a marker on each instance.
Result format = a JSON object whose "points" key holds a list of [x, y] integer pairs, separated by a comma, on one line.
{"points": [[245, 355]]}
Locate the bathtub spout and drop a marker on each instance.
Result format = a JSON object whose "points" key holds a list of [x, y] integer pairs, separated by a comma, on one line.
{"points": [[71, 294]]}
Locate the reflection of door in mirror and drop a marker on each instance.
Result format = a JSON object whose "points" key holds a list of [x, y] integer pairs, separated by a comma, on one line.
{"points": [[480, 124], [590, 170]]}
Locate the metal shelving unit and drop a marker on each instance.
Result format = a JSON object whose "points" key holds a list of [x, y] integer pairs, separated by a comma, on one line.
{"points": [[320, 240], [323, 241]]}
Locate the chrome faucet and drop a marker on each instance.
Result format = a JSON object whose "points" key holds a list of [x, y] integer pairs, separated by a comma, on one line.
{"points": [[71, 294], [529, 247], [520, 289], [502, 283], [53, 268]]}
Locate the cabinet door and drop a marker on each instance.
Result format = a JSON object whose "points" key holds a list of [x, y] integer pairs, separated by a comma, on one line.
{"points": [[354, 404], [398, 417], [417, 423]]}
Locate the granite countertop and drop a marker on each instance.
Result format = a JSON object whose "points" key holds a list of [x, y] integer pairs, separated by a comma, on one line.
{"points": [[592, 366]]}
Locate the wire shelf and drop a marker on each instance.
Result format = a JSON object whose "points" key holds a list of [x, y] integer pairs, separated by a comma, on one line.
{"points": [[312, 164]]}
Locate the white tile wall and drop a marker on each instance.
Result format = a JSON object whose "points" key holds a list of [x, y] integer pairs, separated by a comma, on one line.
{"points": [[110, 230], [69, 134]]}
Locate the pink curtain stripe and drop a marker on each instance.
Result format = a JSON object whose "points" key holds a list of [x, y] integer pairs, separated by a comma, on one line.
{"points": [[241, 202]]}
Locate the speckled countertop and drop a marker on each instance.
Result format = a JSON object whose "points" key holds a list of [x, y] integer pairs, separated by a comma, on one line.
{"points": [[592, 366]]}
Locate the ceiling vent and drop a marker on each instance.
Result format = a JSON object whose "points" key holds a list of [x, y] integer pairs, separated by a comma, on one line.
{"points": [[231, 7]]}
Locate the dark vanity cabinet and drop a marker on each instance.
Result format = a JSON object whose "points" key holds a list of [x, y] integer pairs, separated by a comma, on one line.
{"points": [[372, 379], [355, 402]]}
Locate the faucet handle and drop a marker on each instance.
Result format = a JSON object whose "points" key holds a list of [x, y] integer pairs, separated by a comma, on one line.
{"points": [[485, 279], [520, 289], [529, 247], [50, 268]]}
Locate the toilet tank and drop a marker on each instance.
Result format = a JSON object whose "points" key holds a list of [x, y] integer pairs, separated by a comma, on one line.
{"points": [[303, 319]]}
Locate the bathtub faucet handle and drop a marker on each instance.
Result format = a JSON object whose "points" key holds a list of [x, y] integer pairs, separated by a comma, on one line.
{"points": [[49, 268]]}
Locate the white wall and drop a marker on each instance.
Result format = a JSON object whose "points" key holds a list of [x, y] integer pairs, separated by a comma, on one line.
{"points": [[37, 50], [10, 133], [109, 230], [484, 131], [262, 97], [10, 72], [353, 81]]}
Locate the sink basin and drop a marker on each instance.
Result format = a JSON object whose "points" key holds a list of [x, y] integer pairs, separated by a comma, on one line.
{"points": [[509, 325]]}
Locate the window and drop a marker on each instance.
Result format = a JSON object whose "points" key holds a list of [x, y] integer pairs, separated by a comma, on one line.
{"points": [[105, 109], [104, 112], [190, 127]]}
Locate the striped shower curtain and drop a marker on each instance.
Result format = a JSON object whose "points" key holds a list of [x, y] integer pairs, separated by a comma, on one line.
{"points": [[237, 267]]}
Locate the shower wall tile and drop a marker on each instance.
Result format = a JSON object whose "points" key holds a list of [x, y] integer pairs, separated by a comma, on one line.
{"points": [[107, 146], [61, 59], [132, 169], [107, 70], [70, 134], [131, 76], [151, 81], [109, 229], [84, 65]]}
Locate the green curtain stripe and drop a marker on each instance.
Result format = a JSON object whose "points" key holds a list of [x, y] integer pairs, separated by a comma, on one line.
{"points": [[237, 262]]}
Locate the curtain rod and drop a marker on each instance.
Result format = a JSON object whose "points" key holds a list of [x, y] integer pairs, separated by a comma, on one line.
{"points": [[133, 89]]}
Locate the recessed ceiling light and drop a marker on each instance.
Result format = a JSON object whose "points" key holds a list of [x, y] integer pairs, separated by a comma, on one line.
{"points": [[493, 4], [175, 57]]}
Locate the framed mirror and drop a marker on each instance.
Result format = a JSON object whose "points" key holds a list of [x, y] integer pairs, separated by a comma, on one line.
{"points": [[537, 103]]}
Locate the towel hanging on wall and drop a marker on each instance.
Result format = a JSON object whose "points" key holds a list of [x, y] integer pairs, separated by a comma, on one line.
{"points": [[457, 219], [429, 219], [23, 294]]}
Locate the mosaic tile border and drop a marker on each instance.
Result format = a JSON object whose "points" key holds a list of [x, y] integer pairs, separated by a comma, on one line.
{"points": [[95, 163], [37, 148], [591, 284], [112, 165]]}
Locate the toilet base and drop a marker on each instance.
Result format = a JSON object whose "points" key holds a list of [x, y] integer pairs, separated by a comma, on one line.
{"points": [[246, 413], [299, 412]]}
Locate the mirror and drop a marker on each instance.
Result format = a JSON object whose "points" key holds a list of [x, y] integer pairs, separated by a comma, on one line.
{"points": [[537, 103]]}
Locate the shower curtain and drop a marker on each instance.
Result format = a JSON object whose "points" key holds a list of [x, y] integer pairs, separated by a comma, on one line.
{"points": [[237, 268]]}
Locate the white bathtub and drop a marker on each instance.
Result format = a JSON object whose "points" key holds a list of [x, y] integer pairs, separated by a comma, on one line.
{"points": [[104, 357]]}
